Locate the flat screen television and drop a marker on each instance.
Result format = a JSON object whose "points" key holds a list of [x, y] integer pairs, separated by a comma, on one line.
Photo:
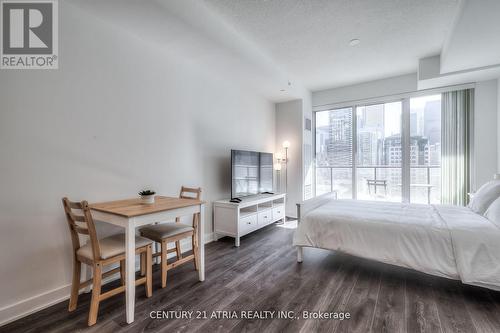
{"points": [[251, 173]]}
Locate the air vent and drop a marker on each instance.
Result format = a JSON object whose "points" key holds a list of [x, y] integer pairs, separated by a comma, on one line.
{"points": [[307, 124]]}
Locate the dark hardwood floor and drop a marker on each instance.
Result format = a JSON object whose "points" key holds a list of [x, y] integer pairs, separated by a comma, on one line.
{"points": [[263, 275]]}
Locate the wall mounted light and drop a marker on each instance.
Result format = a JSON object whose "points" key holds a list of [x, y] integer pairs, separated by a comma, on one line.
{"points": [[286, 145], [279, 163]]}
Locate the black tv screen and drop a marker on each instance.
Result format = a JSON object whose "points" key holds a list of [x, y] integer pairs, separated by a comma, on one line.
{"points": [[251, 173]]}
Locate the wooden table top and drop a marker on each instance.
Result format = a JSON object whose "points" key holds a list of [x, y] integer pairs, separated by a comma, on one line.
{"points": [[135, 207]]}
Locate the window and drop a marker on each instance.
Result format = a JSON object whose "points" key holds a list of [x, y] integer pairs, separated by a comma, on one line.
{"points": [[334, 152], [379, 159], [425, 149], [362, 151]]}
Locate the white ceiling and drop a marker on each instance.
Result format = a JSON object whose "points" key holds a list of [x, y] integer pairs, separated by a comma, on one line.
{"points": [[262, 45], [474, 42], [309, 39]]}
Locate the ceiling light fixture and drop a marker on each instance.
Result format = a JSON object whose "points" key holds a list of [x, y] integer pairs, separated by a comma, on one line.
{"points": [[354, 42]]}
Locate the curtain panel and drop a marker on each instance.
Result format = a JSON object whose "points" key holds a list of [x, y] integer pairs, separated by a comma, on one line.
{"points": [[457, 115]]}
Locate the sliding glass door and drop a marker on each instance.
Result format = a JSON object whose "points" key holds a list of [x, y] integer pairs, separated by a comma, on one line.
{"points": [[379, 152], [367, 152], [425, 149]]}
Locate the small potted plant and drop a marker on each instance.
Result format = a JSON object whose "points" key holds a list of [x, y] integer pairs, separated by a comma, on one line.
{"points": [[148, 196]]}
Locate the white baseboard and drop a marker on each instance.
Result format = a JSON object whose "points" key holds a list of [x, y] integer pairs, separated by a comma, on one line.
{"points": [[39, 302], [33, 304]]}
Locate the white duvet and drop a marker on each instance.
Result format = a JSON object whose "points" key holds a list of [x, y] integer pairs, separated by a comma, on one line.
{"points": [[447, 241]]}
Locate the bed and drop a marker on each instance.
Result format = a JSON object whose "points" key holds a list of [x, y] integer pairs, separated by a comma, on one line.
{"points": [[448, 241]]}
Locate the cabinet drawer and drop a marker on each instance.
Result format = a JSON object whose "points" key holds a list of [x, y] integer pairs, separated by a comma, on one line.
{"points": [[248, 223], [278, 213], [265, 217]]}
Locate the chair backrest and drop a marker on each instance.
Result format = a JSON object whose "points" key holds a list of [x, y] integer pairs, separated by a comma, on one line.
{"points": [[190, 193], [81, 224]]}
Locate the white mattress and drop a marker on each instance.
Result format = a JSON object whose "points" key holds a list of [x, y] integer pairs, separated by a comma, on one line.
{"points": [[447, 241]]}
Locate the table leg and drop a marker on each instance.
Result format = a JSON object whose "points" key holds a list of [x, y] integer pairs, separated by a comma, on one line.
{"points": [[130, 271], [201, 244], [300, 254]]}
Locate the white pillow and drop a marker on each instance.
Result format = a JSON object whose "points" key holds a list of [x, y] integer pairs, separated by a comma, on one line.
{"points": [[493, 212], [483, 198]]}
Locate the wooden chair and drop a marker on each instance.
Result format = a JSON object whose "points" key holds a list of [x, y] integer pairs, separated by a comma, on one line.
{"points": [[98, 253], [170, 232]]}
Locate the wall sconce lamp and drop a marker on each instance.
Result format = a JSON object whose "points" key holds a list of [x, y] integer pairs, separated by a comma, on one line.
{"points": [[280, 161], [286, 145]]}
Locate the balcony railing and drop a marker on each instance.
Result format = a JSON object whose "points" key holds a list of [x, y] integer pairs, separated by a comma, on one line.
{"points": [[380, 181]]}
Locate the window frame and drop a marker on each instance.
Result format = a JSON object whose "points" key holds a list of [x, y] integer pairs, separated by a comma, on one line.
{"points": [[405, 132]]}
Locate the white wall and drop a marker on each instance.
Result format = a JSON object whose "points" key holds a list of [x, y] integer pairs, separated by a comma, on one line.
{"points": [[485, 131], [366, 90], [120, 114], [289, 127], [307, 140]]}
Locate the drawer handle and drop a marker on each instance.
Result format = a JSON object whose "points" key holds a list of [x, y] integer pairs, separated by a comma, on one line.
{"points": [[279, 212], [265, 217], [249, 222]]}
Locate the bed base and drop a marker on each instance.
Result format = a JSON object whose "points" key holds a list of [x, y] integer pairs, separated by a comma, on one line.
{"points": [[304, 207]]}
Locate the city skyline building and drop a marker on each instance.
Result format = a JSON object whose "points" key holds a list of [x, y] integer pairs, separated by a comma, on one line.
{"points": [[379, 150]]}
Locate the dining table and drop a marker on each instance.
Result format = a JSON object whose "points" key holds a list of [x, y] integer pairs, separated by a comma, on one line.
{"points": [[131, 214]]}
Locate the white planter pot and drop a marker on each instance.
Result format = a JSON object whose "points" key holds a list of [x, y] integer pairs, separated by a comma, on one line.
{"points": [[148, 199]]}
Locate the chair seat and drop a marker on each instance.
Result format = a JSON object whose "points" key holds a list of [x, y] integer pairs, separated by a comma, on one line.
{"points": [[111, 246], [160, 231]]}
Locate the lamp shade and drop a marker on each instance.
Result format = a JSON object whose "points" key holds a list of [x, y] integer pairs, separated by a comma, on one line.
{"points": [[286, 144], [278, 155], [277, 166]]}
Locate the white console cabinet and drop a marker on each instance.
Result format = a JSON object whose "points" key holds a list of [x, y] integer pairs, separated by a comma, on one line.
{"points": [[252, 213]]}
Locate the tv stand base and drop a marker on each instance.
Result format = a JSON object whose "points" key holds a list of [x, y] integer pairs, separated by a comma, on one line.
{"points": [[237, 219]]}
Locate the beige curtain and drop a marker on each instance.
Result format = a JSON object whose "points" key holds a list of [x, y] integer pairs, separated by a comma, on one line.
{"points": [[457, 114]]}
